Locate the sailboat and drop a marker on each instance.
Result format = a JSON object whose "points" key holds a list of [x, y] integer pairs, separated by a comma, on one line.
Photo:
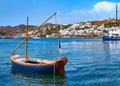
{"points": [[35, 64]]}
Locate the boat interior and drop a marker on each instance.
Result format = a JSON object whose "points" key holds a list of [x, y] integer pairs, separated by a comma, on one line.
{"points": [[33, 60]]}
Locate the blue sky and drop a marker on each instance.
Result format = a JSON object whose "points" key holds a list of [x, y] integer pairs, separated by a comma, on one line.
{"points": [[14, 12]]}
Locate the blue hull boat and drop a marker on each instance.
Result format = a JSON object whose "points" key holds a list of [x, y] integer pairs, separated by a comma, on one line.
{"points": [[111, 38], [39, 65], [113, 32]]}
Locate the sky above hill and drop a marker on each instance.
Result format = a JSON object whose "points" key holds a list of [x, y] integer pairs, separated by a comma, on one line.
{"points": [[14, 12]]}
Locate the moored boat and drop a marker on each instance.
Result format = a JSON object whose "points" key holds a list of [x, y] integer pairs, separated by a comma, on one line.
{"points": [[113, 33], [39, 65], [36, 64]]}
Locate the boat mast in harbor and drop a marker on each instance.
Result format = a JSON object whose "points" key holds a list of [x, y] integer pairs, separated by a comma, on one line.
{"points": [[113, 31], [26, 49]]}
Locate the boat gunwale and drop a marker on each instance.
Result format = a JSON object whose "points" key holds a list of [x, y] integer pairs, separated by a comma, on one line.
{"points": [[30, 64]]}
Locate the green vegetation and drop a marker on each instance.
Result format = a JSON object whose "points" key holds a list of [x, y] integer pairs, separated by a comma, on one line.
{"points": [[105, 31], [79, 28], [66, 26], [86, 27], [111, 24], [56, 30], [52, 30]]}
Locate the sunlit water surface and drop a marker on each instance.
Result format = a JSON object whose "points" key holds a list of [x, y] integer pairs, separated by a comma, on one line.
{"points": [[91, 62]]}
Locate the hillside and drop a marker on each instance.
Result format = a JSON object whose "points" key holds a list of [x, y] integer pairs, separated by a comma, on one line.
{"points": [[49, 29], [106, 22], [9, 31]]}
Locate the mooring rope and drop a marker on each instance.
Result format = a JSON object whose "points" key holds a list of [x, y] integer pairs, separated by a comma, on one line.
{"points": [[54, 72], [55, 59]]}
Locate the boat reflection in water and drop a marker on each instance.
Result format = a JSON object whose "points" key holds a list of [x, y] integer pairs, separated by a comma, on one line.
{"points": [[38, 78], [111, 49]]}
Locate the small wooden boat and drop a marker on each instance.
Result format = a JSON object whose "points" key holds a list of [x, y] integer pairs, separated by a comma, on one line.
{"points": [[35, 64], [39, 65]]}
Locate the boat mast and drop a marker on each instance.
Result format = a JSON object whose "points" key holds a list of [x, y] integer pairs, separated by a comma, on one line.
{"points": [[26, 40], [116, 12]]}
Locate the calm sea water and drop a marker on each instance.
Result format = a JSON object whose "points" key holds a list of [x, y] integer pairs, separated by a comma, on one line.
{"points": [[91, 62]]}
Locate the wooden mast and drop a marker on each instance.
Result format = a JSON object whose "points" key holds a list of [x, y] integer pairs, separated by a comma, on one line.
{"points": [[26, 49]]}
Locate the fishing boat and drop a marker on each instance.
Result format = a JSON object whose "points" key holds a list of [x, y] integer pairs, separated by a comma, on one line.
{"points": [[113, 33], [35, 64]]}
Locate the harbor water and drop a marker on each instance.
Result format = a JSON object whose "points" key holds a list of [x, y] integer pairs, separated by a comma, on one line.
{"points": [[91, 62]]}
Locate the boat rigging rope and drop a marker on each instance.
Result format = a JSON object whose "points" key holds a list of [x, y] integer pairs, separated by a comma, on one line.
{"points": [[61, 51], [54, 72], [55, 59], [60, 48]]}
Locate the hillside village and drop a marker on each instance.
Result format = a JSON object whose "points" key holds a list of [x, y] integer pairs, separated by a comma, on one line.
{"points": [[88, 29]]}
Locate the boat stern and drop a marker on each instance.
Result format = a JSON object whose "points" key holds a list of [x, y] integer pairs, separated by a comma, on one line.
{"points": [[59, 65]]}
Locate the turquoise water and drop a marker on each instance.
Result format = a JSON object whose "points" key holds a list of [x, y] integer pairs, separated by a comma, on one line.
{"points": [[91, 62]]}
